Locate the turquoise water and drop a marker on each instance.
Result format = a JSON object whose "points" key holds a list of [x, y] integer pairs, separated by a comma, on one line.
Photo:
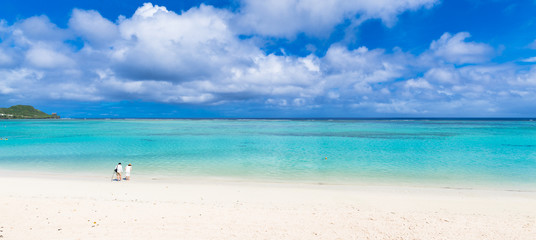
{"points": [[451, 153]]}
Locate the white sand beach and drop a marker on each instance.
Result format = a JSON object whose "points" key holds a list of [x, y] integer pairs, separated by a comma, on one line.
{"points": [[95, 208]]}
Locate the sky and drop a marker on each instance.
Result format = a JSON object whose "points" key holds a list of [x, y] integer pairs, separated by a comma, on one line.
{"points": [[270, 58]]}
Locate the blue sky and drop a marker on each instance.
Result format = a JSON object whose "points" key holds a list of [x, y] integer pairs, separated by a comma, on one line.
{"points": [[274, 58]]}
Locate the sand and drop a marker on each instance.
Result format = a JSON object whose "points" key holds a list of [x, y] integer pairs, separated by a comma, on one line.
{"points": [[94, 208]]}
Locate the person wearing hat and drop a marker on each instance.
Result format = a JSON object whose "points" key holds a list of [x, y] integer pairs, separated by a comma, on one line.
{"points": [[118, 171], [127, 171]]}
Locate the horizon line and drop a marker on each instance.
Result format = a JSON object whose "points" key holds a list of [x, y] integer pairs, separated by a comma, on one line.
{"points": [[300, 118]]}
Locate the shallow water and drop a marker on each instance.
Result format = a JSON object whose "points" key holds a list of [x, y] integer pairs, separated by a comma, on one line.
{"points": [[447, 153]]}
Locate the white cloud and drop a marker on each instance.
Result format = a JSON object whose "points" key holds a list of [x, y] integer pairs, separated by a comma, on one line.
{"points": [[161, 45], [443, 75], [525, 81], [363, 64], [357, 72], [455, 49], [35, 43], [92, 27], [19, 82], [5, 58], [286, 18], [418, 83], [37, 29], [529, 60], [148, 10], [43, 57]]}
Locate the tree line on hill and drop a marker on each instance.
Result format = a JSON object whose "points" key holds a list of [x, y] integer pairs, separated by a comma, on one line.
{"points": [[25, 112]]}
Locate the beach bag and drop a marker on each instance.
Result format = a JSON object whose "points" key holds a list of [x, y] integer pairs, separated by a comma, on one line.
{"points": [[115, 170]]}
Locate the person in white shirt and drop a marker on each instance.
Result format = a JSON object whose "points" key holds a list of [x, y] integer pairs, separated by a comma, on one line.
{"points": [[127, 171], [118, 171]]}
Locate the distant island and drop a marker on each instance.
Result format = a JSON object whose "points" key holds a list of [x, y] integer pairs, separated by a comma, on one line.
{"points": [[25, 112]]}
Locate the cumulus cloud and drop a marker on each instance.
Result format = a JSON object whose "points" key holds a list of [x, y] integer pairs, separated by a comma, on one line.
{"points": [[157, 44], [192, 57], [35, 42], [362, 64], [454, 49], [37, 29], [92, 27], [198, 57], [43, 57], [361, 74], [286, 18], [443, 75], [12, 79]]}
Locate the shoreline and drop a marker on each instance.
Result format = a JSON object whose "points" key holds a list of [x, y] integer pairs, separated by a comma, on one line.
{"points": [[383, 183], [33, 207]]}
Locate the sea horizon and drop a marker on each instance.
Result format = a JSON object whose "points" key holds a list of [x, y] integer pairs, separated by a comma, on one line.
{"points": [[298, 118]]}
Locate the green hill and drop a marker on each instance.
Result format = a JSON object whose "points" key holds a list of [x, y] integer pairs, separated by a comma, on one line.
{"points": [[24, 112]]}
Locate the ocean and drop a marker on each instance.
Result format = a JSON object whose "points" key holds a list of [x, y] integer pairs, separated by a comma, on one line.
{"points": [[437, 153]]}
